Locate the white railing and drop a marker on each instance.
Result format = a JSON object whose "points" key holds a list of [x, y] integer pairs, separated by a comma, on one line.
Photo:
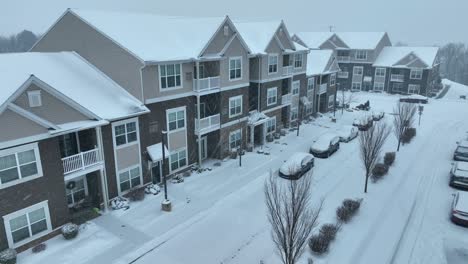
{"points": [[286, 99], [208, 124], [323, 88], [287, 70], [80, 161], [397, 78], [205, 84], [343, 58], [343, 75]]}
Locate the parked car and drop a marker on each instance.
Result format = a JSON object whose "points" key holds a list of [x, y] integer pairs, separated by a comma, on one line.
{"points": [[377, 115], [325, 146], [363, 123], [414, 98], [365, 106], [461, 152], [347, 133], [459, 214], [296, 166], [459, 175]]}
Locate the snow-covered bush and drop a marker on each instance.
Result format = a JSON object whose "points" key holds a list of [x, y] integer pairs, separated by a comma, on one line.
{"points": [[69, 231], [347, 210], [120, 203], [233, 153], [379, 171], [389, 158], [269, 138], [137, 194], [319, 244], [408, 135], [329, 231], [177, 179], [39, 248], [8, 256], [152, 189]]}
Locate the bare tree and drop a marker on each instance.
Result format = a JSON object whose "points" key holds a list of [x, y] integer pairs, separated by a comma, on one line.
{"points": [[291, 215], [345, 99], [403, 118], [371, 142]]}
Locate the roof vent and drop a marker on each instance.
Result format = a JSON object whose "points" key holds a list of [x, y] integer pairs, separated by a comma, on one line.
{"points": [[226, 31], [35, 99]]}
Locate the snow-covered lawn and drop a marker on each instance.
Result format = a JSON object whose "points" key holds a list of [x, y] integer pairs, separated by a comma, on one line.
{"points": [[455, 90], [219, 216]]}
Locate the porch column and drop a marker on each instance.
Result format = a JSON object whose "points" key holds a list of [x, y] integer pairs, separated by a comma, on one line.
{"points": [[105, 191], [198, 117]]}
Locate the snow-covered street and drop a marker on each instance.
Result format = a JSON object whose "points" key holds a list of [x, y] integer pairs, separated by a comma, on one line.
{"points": [[219, 216]]}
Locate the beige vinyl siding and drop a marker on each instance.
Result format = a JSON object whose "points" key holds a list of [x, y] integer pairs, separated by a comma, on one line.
{"points": [[235, 49], [127, 156], [151, 81], [219, 40], [15, 126]]}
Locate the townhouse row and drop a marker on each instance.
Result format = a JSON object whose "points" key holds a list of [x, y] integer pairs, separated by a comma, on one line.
{"points": [[84, 113]]}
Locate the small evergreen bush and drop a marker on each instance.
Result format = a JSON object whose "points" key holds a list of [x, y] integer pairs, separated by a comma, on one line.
{"points": [[389, 158]]}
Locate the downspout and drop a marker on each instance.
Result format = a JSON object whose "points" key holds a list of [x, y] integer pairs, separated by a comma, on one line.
{"points": [[198, 115], [105, 191]]}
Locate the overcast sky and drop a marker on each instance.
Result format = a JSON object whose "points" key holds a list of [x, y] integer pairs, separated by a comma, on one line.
{"points": [[416, 22]]}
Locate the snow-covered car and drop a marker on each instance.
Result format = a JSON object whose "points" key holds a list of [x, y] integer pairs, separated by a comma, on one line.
{"points": [[414, 98], [378, 115], [347, 133], [461, 152], [325, 146], [459, 214], [363, 123], [459, 175], [296, 166]]}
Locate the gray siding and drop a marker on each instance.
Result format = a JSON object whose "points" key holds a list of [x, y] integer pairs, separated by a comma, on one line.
{"points": [[219, 40], [15, 126], [234, 50]]}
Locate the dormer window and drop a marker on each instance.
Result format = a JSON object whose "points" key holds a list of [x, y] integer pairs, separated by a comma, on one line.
{"points": [[361, 55], [35, 99], [226, 31]]}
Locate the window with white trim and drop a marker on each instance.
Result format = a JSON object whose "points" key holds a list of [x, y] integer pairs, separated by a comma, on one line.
{"points": [[271, 125], [397, 87], [294, 113], [169, 75], [379, 86], [361, 54], [129, 178], [78, 193], [235, 106], [358, 70], [178, 159], [416, 74], [310, 84], [298, 58], [235, 68], [414, 88], [125, 133], [175, 119], [273, 63], [355, 86], [272, 96], [235, 139], [333, 79], [331, 100], [380, 72], [27, 224], [309, 109], [19, 164], [296, 85], [34, 98]]}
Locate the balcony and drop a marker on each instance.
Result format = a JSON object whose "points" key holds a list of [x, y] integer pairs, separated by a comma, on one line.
{"points": [[286, 99], [322, 88], [208, 124], [206, 84], [343, 59], [397, 78], [81, 161], [343, 75], [287, 70]]}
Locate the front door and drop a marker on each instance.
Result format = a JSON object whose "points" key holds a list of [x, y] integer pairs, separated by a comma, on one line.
{"points": [[204, 148], [156, 172]]}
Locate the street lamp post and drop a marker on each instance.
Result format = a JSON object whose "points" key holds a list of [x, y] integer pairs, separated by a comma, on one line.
{"points": [[166, 204]]}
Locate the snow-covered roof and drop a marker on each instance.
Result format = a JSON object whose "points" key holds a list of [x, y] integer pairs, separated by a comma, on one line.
{"points": [[390, 56], [314, 40], [317, 61], [71, 76], [153, 37], [361, 40], [256, 118], [155, 152]]}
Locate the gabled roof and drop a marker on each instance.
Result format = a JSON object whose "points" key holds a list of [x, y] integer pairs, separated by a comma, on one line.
{"points": [[390, 56], [361, 40], [151, 37], [313, 40], [318, 62], [70, 77]]}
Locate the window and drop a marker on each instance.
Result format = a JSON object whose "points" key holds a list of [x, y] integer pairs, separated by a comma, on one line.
{"points": [[78, 193], [235, 106], [27, 224], [298, 60], [178, 159], [35, 99], [125, 133], [397, 87], [416, 74], [19, 164], [356, 86], [380, 72], [129, 179], [175, 119], [331, 101], [343, 74], [272, 64], [333, 79], [235, 68], [271, 125], [413, 88], [170, 76], [358, 70], [379, 86], [294, 113], [309, 109], [272, 96], [310, 84], [295, 87], [361, 54], [235, 139]]}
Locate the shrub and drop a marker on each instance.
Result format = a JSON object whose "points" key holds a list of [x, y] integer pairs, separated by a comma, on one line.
{"points": [[379, 171], [69, 231], [389, 158], [329, 231], [136, 194], [8, 256], [319, 244], [347, 210], [408, 135], [39, 248]]}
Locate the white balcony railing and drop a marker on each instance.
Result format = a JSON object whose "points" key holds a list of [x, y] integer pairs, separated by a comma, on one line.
{"points": [[322, 88], [208, 124], [287, 70], [343, 75], [343, 58], [206, 84], [397, 78], [80, 161], [286, 99]]}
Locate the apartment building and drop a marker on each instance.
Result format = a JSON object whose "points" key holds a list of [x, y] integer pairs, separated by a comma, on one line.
{"points": [[67, 130]]}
